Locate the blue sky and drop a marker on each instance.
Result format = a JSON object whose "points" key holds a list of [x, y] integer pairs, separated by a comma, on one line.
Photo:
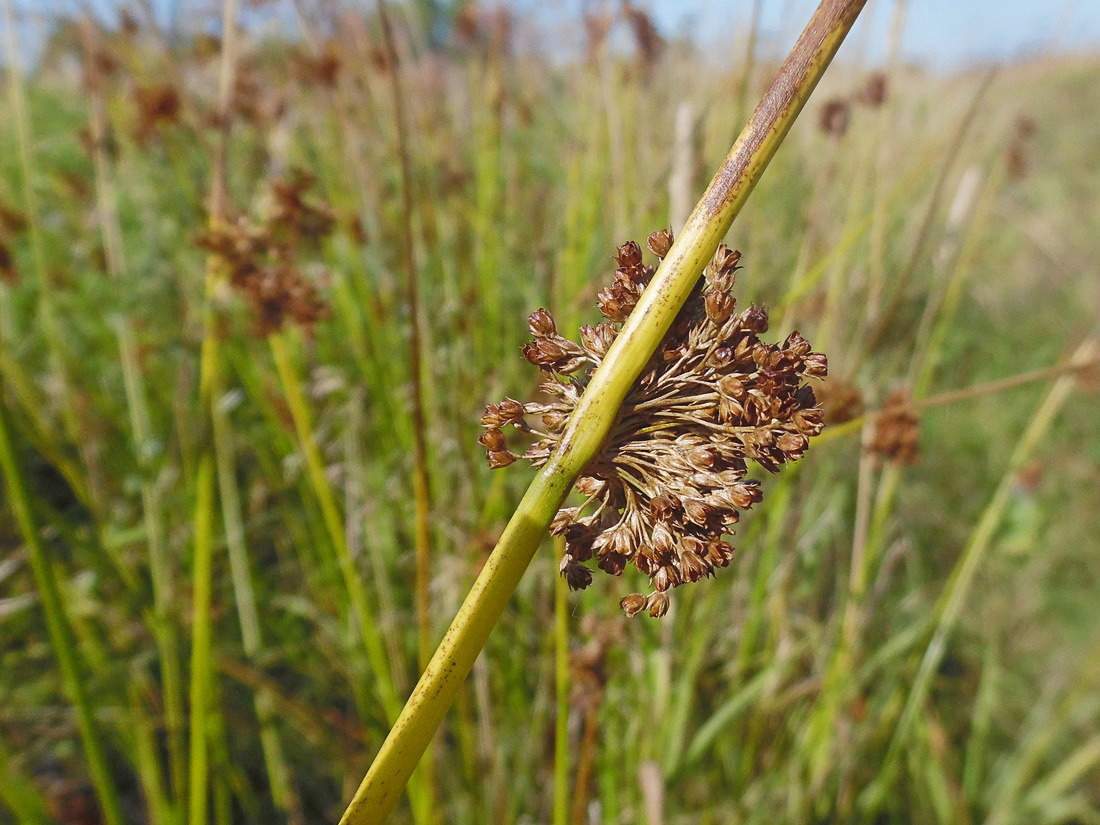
{"points": [[940, 34]]}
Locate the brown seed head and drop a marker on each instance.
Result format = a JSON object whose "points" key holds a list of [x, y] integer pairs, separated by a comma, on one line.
{"points": [[8, 272], [897, 430], [670, 479], [875, 90], [660, 242], [260, 258], [633, 604], [834, 116], [840, 399]]}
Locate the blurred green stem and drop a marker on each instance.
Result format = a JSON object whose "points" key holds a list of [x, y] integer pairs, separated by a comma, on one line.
{"points": [[424, 797], [141, 429], [596, 411], [334, 524], [209, 359], [60, 633], [19, 793], [951, 602], [282, 791]]}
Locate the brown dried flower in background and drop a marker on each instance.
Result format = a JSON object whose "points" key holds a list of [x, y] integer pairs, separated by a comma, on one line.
{"points": [[261, 258], [320, 70], [483, 26], [1017, 153], [875, 91], [157, 108], [127, 23], [306, 222], [840, 399], [648, 39], [104, 64], [254, 101], [12, 221], [671, 478], [834, 116], [8, 272], [897, 429], [588, 663]]}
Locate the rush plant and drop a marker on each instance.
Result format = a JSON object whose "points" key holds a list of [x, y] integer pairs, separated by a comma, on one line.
{"points": [[597, 409]]}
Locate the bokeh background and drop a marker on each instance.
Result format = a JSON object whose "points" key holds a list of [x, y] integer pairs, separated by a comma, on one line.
{"points": [[215, 416]]}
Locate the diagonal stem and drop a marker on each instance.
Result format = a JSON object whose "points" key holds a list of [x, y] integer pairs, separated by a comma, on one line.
{"points": [[598, 407]]}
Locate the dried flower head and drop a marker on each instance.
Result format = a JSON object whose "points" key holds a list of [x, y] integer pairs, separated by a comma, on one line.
{"points": [[8, 273], [322, 69], [875, 91], [158, 107], [670, 480], [588, 662], [1017, 152], [648, 39], [897, 429], [840, 399], [261, 258], [834, 116], [12, 221], [291, 214]]}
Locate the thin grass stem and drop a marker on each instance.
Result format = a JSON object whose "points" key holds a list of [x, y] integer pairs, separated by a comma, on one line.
{"points": [[950, 604], [205, 479], [60, 633], [334, 525], [422, 491]]}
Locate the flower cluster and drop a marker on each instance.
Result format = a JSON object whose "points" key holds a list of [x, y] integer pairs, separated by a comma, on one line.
{"points": [[261, 256], [896, 434], [670, 480]]}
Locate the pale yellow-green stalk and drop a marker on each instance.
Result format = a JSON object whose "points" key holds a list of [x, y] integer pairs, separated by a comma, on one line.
{"points": [[596, 410]]}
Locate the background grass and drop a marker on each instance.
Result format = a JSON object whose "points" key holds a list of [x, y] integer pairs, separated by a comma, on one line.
{"points": [[894, 644]]}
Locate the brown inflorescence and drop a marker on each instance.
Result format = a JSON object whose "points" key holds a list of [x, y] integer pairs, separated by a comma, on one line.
{"points": [[158, 107], [875, 90], [648, 39], [670, 480], [12, 222], [8, 273], [896, 433], [840, 399], [834, 116], [1017, 152], [261, 257], [322, 69]]}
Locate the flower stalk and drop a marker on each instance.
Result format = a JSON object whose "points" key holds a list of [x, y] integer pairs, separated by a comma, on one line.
{"points": [[597, 409]]}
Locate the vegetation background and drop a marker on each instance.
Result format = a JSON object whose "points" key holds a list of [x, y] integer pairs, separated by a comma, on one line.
{"points": [[220, 426]]}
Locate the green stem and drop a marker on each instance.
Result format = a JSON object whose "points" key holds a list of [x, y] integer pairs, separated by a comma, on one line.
{"points": [[19, 792], [201, 671], [334, 525], [209, 359], [141, 428], [954, 596], [596, 410], [424, 796], [51, 329], [59, 631], [282, 791]]}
